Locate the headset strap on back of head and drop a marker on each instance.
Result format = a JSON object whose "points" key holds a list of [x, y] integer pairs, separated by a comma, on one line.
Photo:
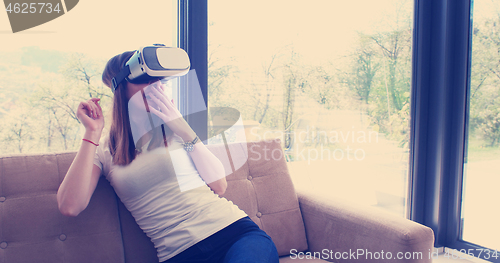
{"points": [[120, 77]]}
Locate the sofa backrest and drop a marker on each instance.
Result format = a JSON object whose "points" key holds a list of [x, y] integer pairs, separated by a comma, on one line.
{"points": [[33, 230], [263, 188]]}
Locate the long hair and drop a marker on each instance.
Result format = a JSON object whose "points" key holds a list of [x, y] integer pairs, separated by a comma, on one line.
{"points": [[121, 142]]}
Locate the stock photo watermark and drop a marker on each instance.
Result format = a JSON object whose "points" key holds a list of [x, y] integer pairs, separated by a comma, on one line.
{"points": [[323, 141], [356, 254], [366, 254], [28, 14]]}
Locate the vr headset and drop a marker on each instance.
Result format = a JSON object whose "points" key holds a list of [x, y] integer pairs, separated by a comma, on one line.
{"points": [[153, 63]]}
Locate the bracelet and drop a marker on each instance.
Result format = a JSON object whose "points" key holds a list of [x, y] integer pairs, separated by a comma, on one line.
{"points": [[96, 144]]}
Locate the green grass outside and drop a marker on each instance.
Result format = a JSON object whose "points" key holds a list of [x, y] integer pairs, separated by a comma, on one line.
{"points": [[477, 151]]}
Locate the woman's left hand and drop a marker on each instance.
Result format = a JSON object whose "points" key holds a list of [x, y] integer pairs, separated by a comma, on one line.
{"points": [[168, 112]]}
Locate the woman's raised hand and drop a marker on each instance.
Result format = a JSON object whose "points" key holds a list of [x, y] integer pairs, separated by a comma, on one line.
{"points": [[168, 112], [90, 114]]}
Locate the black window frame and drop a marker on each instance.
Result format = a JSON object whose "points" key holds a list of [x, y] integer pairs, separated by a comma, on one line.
{"points": [[193, 38], [441, 70]]}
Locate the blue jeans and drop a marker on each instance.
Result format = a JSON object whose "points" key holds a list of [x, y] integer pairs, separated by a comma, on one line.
{"points": [[241, 242]]}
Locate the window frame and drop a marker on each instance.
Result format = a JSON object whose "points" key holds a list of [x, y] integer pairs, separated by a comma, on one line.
{"points": [[438, 114], [441, 70], [193, 38]]}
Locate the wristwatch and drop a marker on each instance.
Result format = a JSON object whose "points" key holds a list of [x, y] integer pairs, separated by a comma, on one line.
{"points": [[189, 146]]}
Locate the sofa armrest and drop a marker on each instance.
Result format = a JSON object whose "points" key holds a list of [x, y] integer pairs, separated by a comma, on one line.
{"points": [[344, 232]]}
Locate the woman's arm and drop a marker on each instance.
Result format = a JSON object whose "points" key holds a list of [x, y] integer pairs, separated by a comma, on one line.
{"points": [[208, 165], [81, 179]]}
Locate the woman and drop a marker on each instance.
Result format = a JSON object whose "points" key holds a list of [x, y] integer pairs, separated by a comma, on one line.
{"points": [[190, 224]]}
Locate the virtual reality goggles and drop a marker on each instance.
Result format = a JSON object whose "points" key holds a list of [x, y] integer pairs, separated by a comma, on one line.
{"points": [[153, 63]]}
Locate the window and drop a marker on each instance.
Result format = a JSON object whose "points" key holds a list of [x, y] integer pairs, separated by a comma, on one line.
{"points": [[331, 80], [481, 173], [47, 70]]}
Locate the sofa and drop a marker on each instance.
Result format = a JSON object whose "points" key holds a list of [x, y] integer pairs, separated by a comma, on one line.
{"points": [[304, 226]]}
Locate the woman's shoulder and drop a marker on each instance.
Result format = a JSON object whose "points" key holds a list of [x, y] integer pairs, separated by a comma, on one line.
{"points": [[103, 150], [104, 143], [103, 154]]}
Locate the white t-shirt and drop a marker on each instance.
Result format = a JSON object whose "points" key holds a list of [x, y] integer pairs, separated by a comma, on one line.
{"points": [[153, 188]]}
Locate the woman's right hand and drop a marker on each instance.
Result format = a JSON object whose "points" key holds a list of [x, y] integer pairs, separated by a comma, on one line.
{"points": [[90, 114]]}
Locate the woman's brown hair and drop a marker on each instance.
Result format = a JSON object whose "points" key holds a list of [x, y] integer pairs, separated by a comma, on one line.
{"points": [[121, 142]]}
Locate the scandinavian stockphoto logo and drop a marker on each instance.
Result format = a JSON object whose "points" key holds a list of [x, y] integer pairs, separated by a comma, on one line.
{"points": [[25, 14]]}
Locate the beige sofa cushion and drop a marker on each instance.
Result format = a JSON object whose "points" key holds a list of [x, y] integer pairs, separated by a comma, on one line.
{"points": [[262, 187], [33, 230]]}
